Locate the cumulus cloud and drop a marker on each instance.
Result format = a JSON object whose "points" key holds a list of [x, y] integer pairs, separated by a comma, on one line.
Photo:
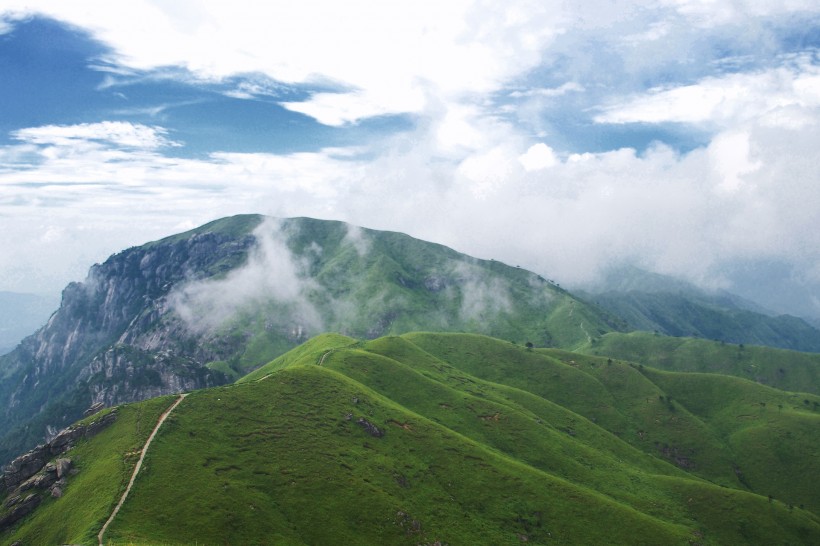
{"points": [[538, 156]]}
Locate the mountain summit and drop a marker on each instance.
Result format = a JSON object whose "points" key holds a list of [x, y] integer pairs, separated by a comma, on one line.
{"points": [[204, 307]]}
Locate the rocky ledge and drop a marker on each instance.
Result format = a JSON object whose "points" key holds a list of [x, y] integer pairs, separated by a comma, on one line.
{"points": [[26, 479]]}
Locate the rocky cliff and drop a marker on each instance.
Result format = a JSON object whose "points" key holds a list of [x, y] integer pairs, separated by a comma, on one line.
{"points": [[112, 340]]}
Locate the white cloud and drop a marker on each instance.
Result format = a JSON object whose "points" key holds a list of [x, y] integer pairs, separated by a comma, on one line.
{"points": [[538, 156], [729, 153], [387, 55], [751, 194], [118, 133], [465, 175], [549, 92], [725, 100], [716, 12]]}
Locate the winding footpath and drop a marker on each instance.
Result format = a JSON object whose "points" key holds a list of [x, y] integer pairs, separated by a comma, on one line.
{"points": [[138, 466]]}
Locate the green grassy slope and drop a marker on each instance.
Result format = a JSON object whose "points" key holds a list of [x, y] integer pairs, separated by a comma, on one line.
{"points": [[205, 307], [779, 368], [704, 423], [479, 442], [367, 283], [103, 465]]}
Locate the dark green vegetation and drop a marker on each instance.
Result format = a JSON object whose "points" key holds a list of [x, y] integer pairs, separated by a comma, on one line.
{"points": [[205, 307], [455, 438], [787, 370]]}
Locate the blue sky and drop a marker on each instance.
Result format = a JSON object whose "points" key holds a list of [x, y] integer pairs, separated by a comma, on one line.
{"points": [[679, 135]]}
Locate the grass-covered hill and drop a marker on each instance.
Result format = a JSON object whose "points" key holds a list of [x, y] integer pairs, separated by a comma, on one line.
{"points": [[782, 369], [205, 307], [451, 439]]}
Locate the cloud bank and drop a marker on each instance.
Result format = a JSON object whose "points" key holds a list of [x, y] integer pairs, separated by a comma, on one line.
{"points": [[545, 135]]}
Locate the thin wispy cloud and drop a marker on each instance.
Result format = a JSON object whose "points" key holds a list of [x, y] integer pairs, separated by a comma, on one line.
{"points": [[117, 133], [727, 100]]}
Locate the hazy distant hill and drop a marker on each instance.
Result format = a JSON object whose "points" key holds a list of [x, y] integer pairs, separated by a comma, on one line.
{"points": [[448, 439], [657, 303], [20, 315], [205, 307]]}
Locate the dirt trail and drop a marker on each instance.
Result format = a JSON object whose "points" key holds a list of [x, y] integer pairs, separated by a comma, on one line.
{"points": [[139, 465], [322, 360]]}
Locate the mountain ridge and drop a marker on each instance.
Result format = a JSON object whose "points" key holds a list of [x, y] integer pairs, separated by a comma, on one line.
{"points": [[204, 307], [673, 307]]}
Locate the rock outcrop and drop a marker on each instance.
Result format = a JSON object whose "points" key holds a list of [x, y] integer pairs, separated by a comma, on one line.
{"points": [[26, 479], [20, 472]]}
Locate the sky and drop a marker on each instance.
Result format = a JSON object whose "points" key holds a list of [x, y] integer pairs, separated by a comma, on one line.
{"points": [[681, 136]]}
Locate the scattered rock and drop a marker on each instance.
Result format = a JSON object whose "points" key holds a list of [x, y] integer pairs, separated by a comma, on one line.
{"points": [[95, 408], [402, 480], [31, 471], [411, 526], [21, 510], [12, 500], [673, 454], [62, 467], [371, 429]]}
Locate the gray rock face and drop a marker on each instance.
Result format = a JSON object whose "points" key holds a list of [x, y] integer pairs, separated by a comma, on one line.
{"points": [[31, 470], [370, 428], [112, 340], [26, 479], [20, 510]]}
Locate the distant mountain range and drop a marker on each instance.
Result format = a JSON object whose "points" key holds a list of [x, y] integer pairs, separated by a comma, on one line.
{"points": [[20, 315], [657, 303]]}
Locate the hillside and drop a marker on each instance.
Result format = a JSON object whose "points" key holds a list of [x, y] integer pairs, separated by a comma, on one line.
{"points": [[450, 438], [204, 307], [782, 369], [657, 303]]}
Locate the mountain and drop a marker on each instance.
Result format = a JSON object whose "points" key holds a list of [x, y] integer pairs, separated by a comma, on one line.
{"points": [[439, 439], [657, 303], [203, 308], [20, 315]]}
